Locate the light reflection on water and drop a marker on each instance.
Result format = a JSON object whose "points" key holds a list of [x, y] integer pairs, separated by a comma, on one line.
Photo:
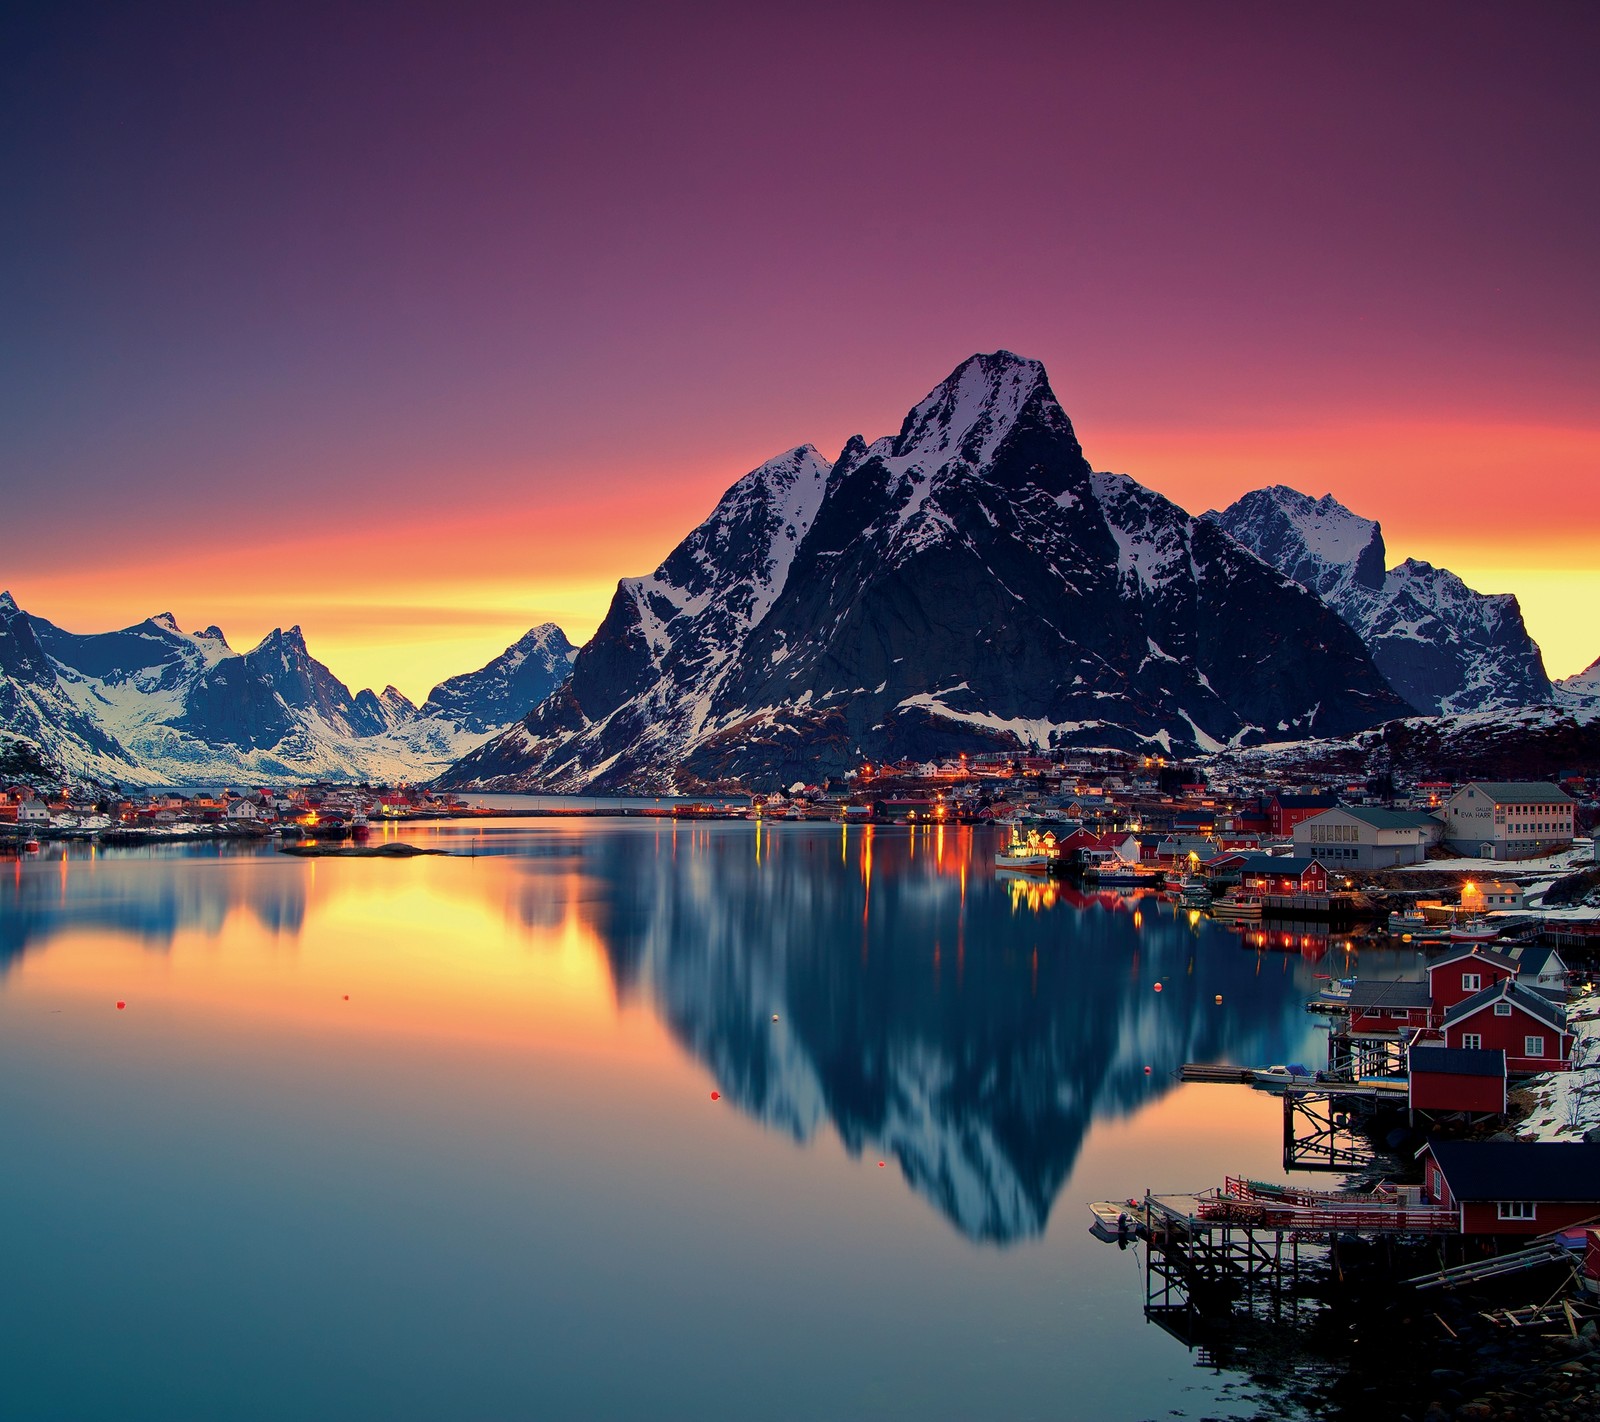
{"points": [[435, 1137]]}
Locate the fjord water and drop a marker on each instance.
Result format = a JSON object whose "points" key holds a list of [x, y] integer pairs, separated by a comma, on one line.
{"points": [[437, 1137]]}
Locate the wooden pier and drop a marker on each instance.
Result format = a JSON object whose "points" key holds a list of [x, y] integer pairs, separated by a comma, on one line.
{"points": [[1247, 1248], [1205, 1071]]}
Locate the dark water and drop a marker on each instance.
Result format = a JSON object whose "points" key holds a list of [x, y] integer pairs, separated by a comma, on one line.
{"points": [[436, 1138]]}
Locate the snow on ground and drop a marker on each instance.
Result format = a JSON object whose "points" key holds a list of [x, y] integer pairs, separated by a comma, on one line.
{"points": [[1562, 863], [1567, 1103]]}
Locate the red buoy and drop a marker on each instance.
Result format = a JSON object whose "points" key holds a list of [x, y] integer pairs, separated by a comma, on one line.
{"points": [[120, 1006], [1158, 987], [1147, 1071], [347, 997], [880, 1165], [716, 1096]]}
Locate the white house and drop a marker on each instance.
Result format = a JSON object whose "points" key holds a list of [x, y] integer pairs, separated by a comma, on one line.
{"points": [[1508, 819], [33, 811], [1359, 837]]}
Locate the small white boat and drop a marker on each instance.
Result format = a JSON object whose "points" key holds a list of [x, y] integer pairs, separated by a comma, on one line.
{"points": [[1337, 991], [1235, 907], [1276, 1078], [1407, 922], [1474, 931], [1115, 1220]]}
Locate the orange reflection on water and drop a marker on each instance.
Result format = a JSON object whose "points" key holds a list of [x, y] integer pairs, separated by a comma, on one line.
{"points": [[432, 952]]}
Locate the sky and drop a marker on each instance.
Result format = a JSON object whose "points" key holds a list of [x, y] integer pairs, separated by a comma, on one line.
{"points": [[416, 325]]}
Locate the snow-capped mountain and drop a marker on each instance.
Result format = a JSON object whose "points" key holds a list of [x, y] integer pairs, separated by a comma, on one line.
{"points": [[491, 698], [153, 704], [36, 708], [1443, 647], [967, 583], [1581, 689]]}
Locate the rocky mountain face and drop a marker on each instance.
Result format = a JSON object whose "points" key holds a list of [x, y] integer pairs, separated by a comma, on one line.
{"points": [[1442, 646], [967, 583], [153, 704], [35, 709], [491, 698], [1581, 689]]}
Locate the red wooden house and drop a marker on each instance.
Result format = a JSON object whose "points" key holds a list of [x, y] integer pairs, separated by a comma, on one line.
{"points": [[1280, 874], [1514, 1187], [1465, 972], [1520, 1021], [1443, 1081], [1381, 1008], [1286, 811]]}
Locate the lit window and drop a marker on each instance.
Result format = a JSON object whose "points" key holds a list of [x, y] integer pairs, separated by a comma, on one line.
{"points": [[1516, 1209], [1533, 1046]]}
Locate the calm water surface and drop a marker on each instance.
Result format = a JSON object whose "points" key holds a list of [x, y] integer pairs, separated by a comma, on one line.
{"points": [[436, 1138]]}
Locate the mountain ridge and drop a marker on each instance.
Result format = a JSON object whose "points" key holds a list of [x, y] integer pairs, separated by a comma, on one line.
{"points": [[1446, 648], [1035, 600]]}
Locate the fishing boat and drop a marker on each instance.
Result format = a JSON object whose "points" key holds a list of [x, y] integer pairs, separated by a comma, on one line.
{"points": [[1337, 990], [1410, 922], [30, 846], [1032, 855], [1474, 930], [1236, 907]]}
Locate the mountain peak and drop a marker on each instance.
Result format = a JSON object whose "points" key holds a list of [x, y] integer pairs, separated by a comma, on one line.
{"points": [[166, 621], [8, 603], [1317, 542], [976, 406]]}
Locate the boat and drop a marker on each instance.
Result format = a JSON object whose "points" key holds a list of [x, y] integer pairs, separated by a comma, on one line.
{"points": [[1337, 990], [1115, 1221], [1033, 855], [1235, 907], [1277, 1078], [1110, 870], [30, 846], [1193, 893], [1473, 931], [1412, 922]]}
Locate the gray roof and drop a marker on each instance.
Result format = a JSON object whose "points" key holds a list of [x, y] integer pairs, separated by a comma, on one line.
{"points": [[1457, 1061], [1383, 992], [1519, 1170], [1475, 950], [1389, 819], [1534, 1003], [1504, 792]]}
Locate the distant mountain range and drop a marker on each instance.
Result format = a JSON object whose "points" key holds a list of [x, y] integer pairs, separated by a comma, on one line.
{"points": [[969, 583], [153, 704], [1443, 647]]}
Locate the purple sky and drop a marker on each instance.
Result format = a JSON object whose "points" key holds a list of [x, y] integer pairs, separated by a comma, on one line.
{"points": [[526, 286]]}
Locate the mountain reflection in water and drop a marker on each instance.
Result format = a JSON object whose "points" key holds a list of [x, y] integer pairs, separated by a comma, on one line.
{"points": [[969, 1026]]}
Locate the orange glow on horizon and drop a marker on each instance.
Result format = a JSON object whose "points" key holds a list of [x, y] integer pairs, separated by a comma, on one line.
{"points": [[420, 598]]}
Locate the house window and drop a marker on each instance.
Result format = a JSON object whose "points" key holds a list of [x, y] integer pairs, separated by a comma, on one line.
{"points": [[1471, 982], [1515, 1209], [1471, 1041], [1502, 1009], [1533, 1046], [1399, 1012]]}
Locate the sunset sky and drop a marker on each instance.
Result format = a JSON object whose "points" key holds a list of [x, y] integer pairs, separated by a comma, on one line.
{"points": [[419, 324]]}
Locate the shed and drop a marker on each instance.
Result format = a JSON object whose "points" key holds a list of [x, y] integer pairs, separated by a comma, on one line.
{"points": [[1448, 1080]]}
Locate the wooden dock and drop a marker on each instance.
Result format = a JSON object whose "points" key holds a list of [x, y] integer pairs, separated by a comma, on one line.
{"points": [[1205, 1071]]}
